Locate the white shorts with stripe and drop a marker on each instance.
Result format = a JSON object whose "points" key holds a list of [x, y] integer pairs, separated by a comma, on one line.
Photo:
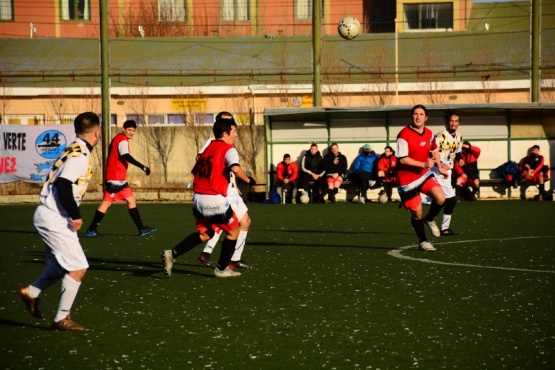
{"points": [[62, 242]]}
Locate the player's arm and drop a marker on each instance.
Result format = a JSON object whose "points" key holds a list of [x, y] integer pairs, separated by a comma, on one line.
{"points": [[240, 174], [65, 194], [127, 157]]}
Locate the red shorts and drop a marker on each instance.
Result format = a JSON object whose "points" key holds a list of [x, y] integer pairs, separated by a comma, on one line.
{"points": [[331, 180], [203, 225], [119, 196], [415, 202]]}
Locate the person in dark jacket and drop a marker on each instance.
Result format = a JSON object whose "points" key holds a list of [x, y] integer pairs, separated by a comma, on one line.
{"points": [[335, 165], [313, 173]]}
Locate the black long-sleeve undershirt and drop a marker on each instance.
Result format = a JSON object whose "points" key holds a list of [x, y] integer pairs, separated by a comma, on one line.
{"points": [[127, 157], [65, 192]]}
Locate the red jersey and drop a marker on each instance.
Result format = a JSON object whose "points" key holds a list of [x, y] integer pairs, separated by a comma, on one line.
{"points": [[417, 146], [213, 167], [116, 168], [389, 166]]}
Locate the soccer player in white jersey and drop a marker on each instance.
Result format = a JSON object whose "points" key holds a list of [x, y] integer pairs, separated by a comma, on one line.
{"points": [[57, 220], [241, 211], [449, 143]]}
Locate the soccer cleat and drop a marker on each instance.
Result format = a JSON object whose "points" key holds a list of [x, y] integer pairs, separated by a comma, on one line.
{"points": [[236, 265], [204, 258], [448, 232], [362, 200], [433, 228], [226, 273], [426, 246], [167, 262], [31, 303], [66, 324], [93, 233], [147, 230]]}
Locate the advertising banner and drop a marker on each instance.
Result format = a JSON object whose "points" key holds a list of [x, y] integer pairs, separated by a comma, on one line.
{"points": [[28, 152]]}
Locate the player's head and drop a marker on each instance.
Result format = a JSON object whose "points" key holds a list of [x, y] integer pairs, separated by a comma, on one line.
{"points": [[535, 149], [86, 123], [452, 121], [388, 150], [286, 158], [224, 124], [419, 115], [313, 148], [130, 123]]}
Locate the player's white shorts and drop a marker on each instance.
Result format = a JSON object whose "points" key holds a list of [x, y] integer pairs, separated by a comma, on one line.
{"points": [[62, 242], [238, 206], [444, 182], [210, 206]]}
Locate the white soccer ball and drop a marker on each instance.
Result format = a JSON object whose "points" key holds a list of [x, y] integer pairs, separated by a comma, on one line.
{"points": [[382, 198], [305, 199], [348, 27]]}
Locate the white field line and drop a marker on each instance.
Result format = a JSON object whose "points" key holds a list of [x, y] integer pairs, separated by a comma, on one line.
{"points": [[398, 253]]}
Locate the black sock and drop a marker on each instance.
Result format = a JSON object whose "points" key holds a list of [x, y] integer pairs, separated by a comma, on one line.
{"points": [[542, 188], [434, 211], [184, 246], [97, 219], [418, 226], [136, 217], [228, 248]]}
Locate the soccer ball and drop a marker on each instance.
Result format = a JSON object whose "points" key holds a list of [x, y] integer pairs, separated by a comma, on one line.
{"points": [[304, 199], [382, 198], [348, 27]]}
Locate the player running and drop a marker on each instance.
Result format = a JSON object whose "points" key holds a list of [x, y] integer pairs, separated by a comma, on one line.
{"points": [[414, 144], [241, 211], [211, 206], [57, 220], [449, 144]]}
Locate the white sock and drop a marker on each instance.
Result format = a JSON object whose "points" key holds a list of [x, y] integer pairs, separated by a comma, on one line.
{"points": [[211, 244], [445, 222], [70, 288], [241, 240]]}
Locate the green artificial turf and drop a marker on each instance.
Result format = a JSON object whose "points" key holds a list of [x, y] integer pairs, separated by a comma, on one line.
{"points": [[336, 286]]}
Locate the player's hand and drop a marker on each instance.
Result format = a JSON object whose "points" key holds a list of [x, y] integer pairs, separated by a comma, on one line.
{"points": [[252, 181], [75, 225], [147, 170]]}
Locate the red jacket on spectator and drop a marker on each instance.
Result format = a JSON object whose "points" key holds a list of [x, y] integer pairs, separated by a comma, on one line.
{"points": [[389, 166], [467, 164], [284, 171]]}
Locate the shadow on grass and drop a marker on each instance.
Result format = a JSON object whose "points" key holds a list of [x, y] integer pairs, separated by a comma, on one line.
{"points": [[145, 269], [4, 322]]}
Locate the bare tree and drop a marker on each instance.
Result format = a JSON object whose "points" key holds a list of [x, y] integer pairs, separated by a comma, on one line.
{"points": [[429, 73], [379, 81], [58, 107], [151, 19]]}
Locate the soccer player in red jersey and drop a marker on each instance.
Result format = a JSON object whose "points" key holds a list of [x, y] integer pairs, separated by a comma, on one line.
{"points": [[211, 206], [117, 189], [415, 142]]}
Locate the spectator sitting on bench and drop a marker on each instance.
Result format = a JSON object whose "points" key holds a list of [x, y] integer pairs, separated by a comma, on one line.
{"points": [[467, 173], [387, 171], [287, 173], [335, 165], [313, 173], [533, 169], [363, 170]]}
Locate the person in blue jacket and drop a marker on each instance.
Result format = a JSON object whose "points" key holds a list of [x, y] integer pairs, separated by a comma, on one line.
{"points": [[363, 170]]}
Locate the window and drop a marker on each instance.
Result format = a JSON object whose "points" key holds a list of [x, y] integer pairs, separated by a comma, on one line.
{"points": [[303, 9], [176, 119], [172, 10], [6, 10], [155, 119], [429, 16], [74, 10], [204, 119], [136, 118], [236, 10]]}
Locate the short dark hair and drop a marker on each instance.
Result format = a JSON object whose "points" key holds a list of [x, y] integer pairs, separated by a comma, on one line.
{"points": [[286, 156], [536, 147], [130, 123], [86, 122], [449, 115], [419, 106], [223, 125]]}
